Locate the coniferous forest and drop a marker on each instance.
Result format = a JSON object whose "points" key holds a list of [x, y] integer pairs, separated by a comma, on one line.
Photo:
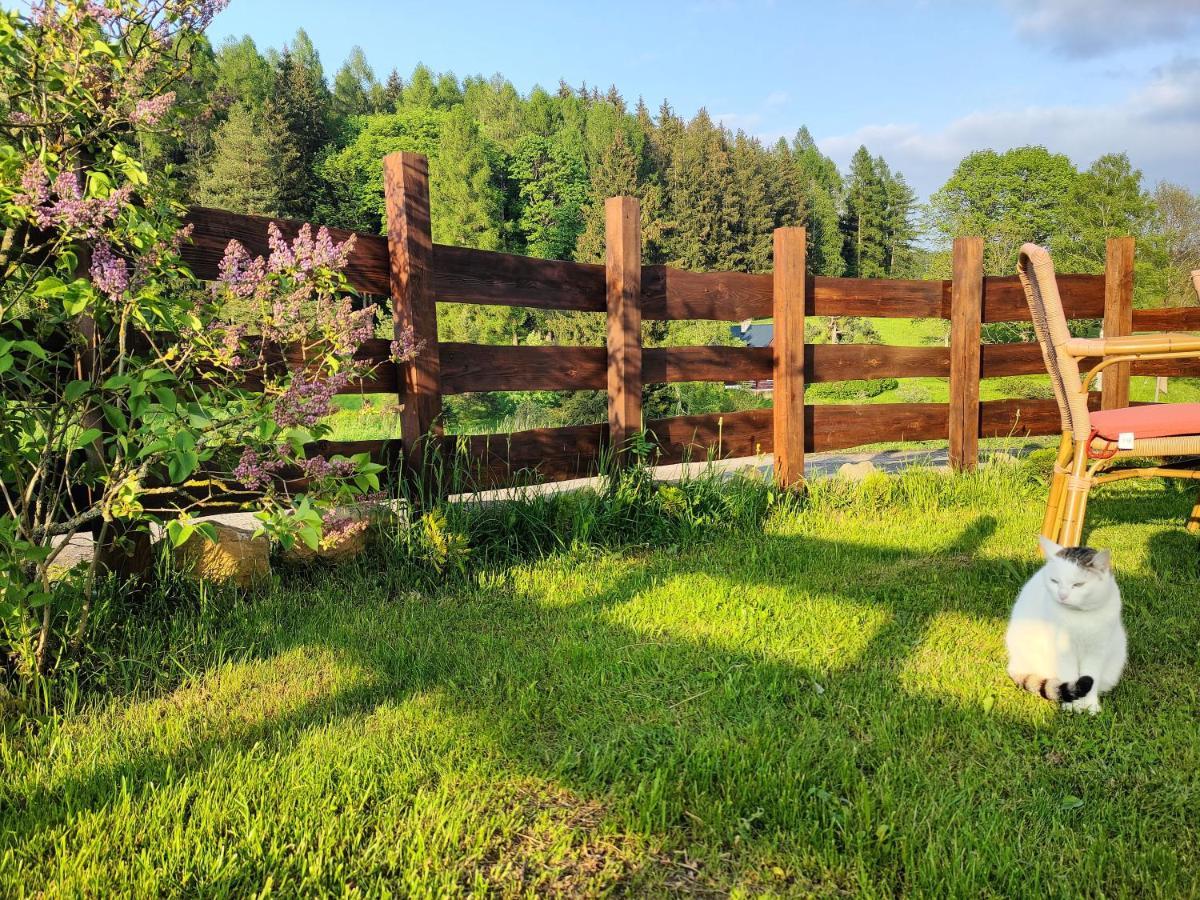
{"points": [[528, 173]]}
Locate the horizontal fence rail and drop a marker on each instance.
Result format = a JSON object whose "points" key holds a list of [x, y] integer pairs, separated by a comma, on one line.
{"points": [[415, 272]]}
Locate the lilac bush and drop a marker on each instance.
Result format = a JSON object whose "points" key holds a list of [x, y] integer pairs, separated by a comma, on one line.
{"points": [[124, 396]]}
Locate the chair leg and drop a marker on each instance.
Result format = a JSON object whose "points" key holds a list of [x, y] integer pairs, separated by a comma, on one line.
{"points": [[1079, 483], [1193, 524], [1058, 484]]}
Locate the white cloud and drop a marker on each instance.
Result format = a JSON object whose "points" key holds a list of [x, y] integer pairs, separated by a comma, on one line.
{"points": [[1158, 125], [1087, 28]]}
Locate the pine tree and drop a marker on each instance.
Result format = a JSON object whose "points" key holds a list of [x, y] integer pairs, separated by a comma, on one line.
{"points": [[898, 229], [616, 175], [393, 92], [250, 168], [863, 223], [699, 184], [750, 211], [822, 186], [303, 102], [354, 87]]}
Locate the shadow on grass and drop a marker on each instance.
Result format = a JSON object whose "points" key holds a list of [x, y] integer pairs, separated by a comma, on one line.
{"points": [[693, 742]]}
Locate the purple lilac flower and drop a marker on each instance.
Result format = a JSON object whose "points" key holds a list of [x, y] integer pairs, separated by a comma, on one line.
{"points": [[101, 12], [35, 185], [150, 112], [72, 212], [406, 348], [240, 274], [308, 398], [320, 467], [255, 472], [109, 272], [339, 528]]}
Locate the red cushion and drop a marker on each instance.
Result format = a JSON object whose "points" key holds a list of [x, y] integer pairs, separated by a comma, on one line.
{"points": [[1153, 421]]}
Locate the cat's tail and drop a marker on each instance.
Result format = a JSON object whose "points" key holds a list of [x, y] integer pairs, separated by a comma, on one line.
{"points": [[1062, 691]]}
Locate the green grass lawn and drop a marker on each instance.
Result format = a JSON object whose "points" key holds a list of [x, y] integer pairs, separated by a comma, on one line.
{"points": [[816, 707]]}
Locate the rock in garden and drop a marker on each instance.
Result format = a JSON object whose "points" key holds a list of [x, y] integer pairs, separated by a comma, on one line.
{"points": [[344, 538], [857, 471], [235, 556]]}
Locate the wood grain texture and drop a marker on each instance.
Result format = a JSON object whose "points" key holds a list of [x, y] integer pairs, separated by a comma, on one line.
{"points": [[410, 242], [1004, 298], [213, 229], [790, 288], [846, 362], [1118, 316], [480, 367], [838, 426], [464, 275], [668, 365], [966, 315], [669, 293], [1179, 318], [878, 297], [542, 454], [717, 436], [623, 266], [1020, 418]]}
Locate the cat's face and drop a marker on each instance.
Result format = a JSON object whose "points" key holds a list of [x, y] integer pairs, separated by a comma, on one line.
{"points": [[1077, 577]]}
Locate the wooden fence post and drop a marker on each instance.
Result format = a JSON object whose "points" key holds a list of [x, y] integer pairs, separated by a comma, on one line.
{"points": [[1118, 316], [966, 319], [410, 248], [623, 275], [790, 283]]}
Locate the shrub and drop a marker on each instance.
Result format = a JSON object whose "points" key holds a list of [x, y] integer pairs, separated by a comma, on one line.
{"points": [[122, 401]]}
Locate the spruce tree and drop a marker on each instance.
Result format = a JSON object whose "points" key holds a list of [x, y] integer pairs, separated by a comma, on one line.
{"points": [[355, 87], [252, 163], [822, 186], [863, 222], [303, 102]]}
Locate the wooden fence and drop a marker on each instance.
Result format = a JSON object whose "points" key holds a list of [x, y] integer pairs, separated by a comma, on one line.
{"points": [[417, 273]]}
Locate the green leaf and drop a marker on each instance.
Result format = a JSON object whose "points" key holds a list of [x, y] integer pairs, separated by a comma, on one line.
{"points": [[166, 397], [49, 287], [86, 438], [311, 536], [182, 464], [6, 362], [209, 530], [75, 390], [114, 417], [1070, 802], [33, 348], [178, 532]]}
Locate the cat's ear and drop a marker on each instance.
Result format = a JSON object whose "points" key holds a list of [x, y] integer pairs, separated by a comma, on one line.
{"points": [[1049, 548], [1102, 561]]}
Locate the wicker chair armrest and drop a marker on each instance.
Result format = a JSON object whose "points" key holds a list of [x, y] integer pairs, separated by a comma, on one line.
{"points": [[1141, 345]]}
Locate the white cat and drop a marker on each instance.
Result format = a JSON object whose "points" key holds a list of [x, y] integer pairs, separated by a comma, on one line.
{"points": [[1065, 638]]}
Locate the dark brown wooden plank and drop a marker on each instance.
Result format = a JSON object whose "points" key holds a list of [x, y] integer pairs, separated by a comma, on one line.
{"points": [[721, 436], [1004, 298], [410, 242], [464, 275], [726, 364], [1118, 316], [838, 426], [623, 235], [1001, 360], [543, 454], [790, 287], [669, 293], [847, 362], [480, 367], [213, 229], [876, 297], [1019, 418], [966, 316], [1179, 318]]}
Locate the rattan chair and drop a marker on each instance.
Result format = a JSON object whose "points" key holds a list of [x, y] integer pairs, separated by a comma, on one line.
{"points": [[1093, 441]]}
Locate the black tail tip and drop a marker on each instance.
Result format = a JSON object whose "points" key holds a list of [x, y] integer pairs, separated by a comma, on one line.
{"points": [[1079, 689]]}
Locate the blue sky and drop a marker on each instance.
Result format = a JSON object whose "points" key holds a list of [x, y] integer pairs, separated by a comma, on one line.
{"points": [[921, 81]]}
